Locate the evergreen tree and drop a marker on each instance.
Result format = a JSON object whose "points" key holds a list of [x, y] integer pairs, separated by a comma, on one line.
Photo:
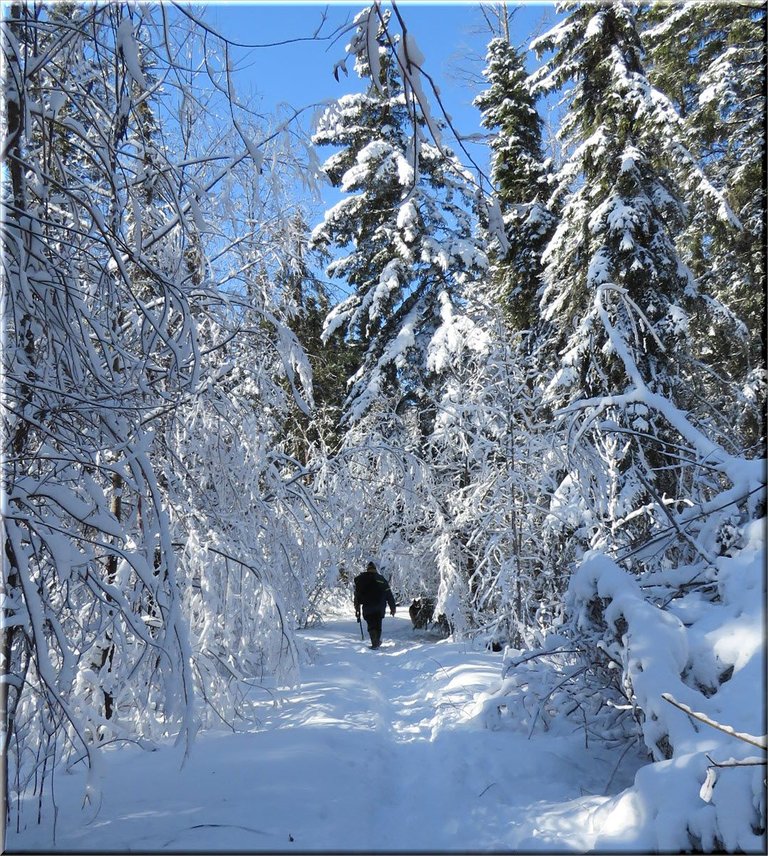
{"points": [[710, 60], [332, 359], [616, 291], [519, 175], [406, 226]]}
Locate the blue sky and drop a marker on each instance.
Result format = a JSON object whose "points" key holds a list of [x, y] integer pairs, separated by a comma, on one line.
{"points": [[451, 36]]}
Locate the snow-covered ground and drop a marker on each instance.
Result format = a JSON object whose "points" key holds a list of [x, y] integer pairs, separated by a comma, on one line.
{"points": [[373, 750]]}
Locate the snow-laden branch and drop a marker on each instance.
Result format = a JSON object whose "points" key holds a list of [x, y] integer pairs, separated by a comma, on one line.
{"points": [[760, 742]]}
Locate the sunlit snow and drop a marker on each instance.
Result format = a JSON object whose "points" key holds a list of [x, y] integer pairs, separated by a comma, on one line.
{"points": [[370, 751]]}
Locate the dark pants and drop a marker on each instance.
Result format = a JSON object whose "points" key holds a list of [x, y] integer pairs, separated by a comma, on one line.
{"points": [[373, 620]]}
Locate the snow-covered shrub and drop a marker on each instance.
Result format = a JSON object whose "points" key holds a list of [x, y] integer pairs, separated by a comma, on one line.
{"points": [[702, 648], [637, 656]]}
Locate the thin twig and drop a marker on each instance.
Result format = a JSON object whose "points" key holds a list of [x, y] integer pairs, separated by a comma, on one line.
{"points": [[746, 762]]}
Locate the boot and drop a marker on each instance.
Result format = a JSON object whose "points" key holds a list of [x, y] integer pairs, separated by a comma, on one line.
{"points": [[375, 639]]}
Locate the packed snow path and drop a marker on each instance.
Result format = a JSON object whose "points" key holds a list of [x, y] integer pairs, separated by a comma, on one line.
{"points": [[373, 750]]}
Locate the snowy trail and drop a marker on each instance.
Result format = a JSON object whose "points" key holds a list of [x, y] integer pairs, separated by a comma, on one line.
{"points": [[374, 750]]}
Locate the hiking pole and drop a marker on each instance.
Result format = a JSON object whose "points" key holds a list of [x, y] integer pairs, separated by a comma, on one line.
{"points": [[361, 629]]}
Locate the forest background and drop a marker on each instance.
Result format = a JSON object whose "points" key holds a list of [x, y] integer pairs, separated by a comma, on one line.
{"points": [[534, 392]]}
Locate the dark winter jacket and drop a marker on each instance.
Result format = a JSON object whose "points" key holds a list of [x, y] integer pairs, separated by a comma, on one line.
{"points": [[373, 593]]}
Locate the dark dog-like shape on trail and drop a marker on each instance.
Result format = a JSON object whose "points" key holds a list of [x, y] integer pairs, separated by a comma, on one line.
{"points": [[421, 610]]}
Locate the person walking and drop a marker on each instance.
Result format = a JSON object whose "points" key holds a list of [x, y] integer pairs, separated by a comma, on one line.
{"points": [[373, 594]]}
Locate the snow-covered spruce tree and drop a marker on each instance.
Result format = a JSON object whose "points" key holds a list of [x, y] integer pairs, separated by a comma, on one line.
{"points": [[710, 60], [332, 359], [617, 294], [408, 248], [481, 445], [664, 506], [405, 229], [519, 175]]}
